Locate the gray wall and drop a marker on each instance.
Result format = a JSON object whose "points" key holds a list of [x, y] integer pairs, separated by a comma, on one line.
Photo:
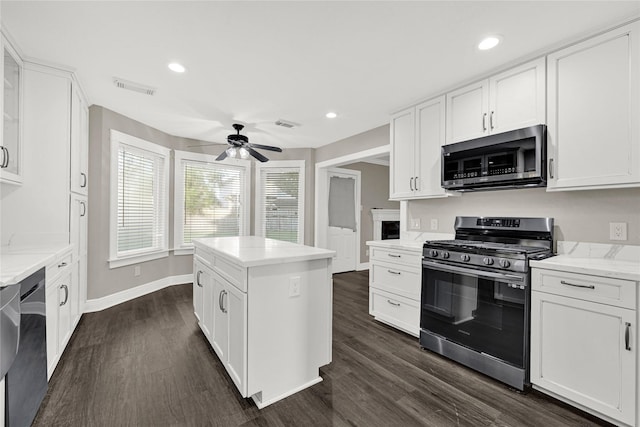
{"points": [[374, 181], [363, 141], [579, 215], [102, 280]]}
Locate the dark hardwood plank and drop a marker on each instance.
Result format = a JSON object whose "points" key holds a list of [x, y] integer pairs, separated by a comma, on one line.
{"points": [[146, 363]]}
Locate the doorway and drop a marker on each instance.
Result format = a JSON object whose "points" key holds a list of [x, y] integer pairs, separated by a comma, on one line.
{"points": [[343, 235]]}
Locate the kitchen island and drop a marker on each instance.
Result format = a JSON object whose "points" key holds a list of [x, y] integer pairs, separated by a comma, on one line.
{"points": [[266, 308]]}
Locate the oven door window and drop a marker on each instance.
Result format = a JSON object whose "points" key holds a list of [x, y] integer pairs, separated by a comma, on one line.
{"points": [[481, 313]]}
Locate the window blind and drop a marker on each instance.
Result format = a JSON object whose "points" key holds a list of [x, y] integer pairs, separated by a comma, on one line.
{"points": [[281, 204], [141, 199], [212, 200]]}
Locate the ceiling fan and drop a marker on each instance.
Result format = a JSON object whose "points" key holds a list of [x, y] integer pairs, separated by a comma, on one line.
{"points": [[242, 148]]}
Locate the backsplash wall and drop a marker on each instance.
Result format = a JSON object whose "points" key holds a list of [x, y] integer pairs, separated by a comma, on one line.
{"points": [[579, 215]]}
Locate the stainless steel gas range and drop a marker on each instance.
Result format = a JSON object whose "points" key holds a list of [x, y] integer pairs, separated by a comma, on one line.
{"points": [[476, 293]]}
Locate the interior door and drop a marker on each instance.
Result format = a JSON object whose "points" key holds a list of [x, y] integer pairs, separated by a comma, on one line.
{"points": [[344, 218]]}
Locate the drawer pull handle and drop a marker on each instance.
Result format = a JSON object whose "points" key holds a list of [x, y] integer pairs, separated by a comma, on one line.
{"points": [[627, 332], [62, 264], [394, 256], [577, 286], [394, 272], [198, 278], [397, 304], [66, 294]]}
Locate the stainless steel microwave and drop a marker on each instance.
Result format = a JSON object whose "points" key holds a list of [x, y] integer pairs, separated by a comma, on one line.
{"points": [[514, 159]]}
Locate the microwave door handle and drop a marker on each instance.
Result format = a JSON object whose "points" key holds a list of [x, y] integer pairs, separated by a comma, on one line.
{"points": [[470, 271]]}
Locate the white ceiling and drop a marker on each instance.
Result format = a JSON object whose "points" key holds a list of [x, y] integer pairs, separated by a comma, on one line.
{"points": [[256, 62]]}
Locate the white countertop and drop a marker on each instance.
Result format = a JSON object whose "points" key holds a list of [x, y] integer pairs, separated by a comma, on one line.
{"points": [[250, 251], [614, 261], [19, 262]]}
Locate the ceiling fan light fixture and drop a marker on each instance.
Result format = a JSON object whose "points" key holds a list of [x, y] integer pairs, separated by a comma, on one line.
{"points": [[232, 152], [244, 154]]}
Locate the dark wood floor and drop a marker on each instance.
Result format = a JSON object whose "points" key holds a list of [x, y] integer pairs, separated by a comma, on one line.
{"points": [[146, 363]]}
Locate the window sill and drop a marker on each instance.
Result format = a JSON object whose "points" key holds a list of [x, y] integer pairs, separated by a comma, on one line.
{"points": [[136, 259], [183, 251]]}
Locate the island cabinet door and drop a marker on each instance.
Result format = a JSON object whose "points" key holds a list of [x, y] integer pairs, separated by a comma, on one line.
{"points": [[235, 303], [220, 340]]}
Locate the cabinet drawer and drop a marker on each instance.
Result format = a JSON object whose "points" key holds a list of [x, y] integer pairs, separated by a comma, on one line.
{"points": [[413, 259], [395, 310], [233, 273], [399, 280], [616, 292], [203, 256], [58, 266]]}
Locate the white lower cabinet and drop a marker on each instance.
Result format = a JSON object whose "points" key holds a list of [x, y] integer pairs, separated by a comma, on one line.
{"points": [[230, 336], [203, 297], [60, 289], [583, 342], [394, 287]]}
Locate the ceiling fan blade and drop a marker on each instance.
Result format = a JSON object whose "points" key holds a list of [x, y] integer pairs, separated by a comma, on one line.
{"points": [[257, 155], [222, 155], [266, 147]]}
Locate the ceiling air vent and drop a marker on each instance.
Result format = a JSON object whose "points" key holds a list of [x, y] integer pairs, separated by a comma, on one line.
{"points": [[286, 124], [136, 87]]}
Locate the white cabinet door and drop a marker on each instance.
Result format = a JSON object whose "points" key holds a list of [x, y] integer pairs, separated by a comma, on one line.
{"points": [[79, 142], [203, 297], [11, 156], [78, 238], [52, 305], [65, 298], [430, 125], [220, 341], [402, 155], [235, 304], [517, 97], [467, 116], [579, 350], [197, 290], [594, 116]]}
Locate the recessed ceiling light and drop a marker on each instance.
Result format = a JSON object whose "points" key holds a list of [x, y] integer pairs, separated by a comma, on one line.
{"points": [[178, 68], [489, 42], [331, 115]]}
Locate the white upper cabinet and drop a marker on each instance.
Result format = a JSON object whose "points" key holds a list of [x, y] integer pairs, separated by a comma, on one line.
{"points": [[594, 125], [417, 135], [11, 132], [510, 100], [79, 142]]}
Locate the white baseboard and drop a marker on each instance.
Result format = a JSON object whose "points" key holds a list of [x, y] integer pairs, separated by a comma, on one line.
{"points": [[108, 301], [362, 266]]}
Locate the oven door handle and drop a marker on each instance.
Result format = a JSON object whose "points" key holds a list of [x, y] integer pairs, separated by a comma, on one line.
{"points": [[470, 271]]}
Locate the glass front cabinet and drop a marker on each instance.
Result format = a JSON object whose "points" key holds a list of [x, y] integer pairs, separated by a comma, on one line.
{"points": [[11, 142]]}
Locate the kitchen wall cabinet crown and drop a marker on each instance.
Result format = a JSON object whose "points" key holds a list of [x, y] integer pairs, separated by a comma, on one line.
{"points": [[594, 112], [417, 134], [11, 140], [510, 100]]}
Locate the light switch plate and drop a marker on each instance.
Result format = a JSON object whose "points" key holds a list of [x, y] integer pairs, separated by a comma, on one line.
{"points": [[434, 224], [618, 231]]}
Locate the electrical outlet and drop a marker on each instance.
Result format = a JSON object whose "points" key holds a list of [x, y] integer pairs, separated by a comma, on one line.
{"points": [[136, 271], [294, 286], [434, 224], [415, 223], [618, 231]]}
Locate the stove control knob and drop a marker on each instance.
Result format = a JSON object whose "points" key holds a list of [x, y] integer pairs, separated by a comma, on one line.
{"points": [[433, 253], [445, 254], [504, 263], [487, 261], [465, 257]]}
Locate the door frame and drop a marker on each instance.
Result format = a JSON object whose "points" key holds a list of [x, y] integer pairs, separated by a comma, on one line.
{"points": [[321, 220]]}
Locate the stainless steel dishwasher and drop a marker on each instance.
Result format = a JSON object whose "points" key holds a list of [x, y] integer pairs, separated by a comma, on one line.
{"points": [[9, 326], [26, 380]]}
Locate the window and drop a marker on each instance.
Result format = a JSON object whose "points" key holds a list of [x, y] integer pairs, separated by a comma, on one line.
{"points": [[280, 200], [211, 198], [139, 200]]}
